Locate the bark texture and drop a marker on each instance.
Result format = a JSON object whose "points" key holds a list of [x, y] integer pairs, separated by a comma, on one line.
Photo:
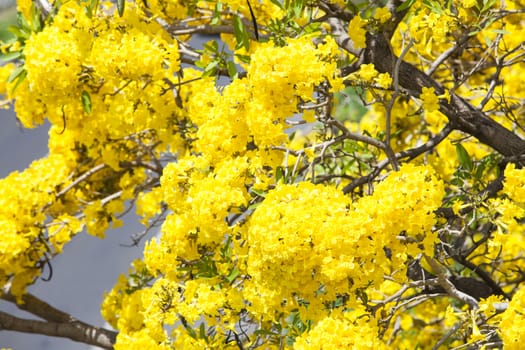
{"points": [[461, 114]]}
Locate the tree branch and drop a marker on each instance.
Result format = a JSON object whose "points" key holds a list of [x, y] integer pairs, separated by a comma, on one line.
{"points": [[59, 323], [38, 307], [397, 16], [462, 115], [76, 331], [342, 38], [410, 154], [45, 7], [448, 286], [81, 178]]}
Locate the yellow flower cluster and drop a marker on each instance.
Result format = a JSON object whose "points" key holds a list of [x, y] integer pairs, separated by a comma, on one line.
{"points": [[337, 243], [507, 242], [430, 100], [513, 321], [357, 32], [113, 75], [233, 131], [196, 193], [23, 195], [430, 30], [341, 332], [110, 74], [331, 252], [514, 184], [239, 242], [368, 74]]}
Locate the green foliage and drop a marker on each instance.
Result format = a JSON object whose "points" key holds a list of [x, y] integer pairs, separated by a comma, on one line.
{"points": [[120, 7], [7, 18], [350, 105], [86, 102], [241, 34], [220, 60]]}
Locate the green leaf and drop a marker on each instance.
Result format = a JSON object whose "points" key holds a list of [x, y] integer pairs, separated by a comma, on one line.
{"points": [[312, 27], [488, 41], [16, 73], [91, 8], [210, 69], [464, 158], [202, 331], [22, 22], [500, 31], [254, 206], [297, 8], [277, 3], [238, 28], [11, 56], [241, 35], [259, 193], [86, 102], [216, 14], [191, 332], [226, 249], [433, 6], [212, 46], [457, 182], [120, 7], [405, 5], [19, 32], [10, 40], [487, 4], [479, 170], [19, 74], [243, 58], [279, 174], [36, 21], [232, 69], [233, 275]]}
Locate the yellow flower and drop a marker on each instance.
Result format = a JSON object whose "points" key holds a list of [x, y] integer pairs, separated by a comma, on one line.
{"points": [[309, 116], [430, 100], [357, 32], [368, 72], [457, 206], [382, 14], [5, 71], [341, 333], [451, 316], [25, 8], [513, 323], [475, 335], [468, 3], [384, 80], [514, 184]]}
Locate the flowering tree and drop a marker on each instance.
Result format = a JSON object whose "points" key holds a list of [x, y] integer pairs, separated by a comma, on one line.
{"points": [[323, 174]]}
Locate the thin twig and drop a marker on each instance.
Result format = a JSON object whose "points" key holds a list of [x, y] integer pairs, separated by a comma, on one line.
{"points": [[390, 106], [447, 335], [81, 178], [448, 286]]}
